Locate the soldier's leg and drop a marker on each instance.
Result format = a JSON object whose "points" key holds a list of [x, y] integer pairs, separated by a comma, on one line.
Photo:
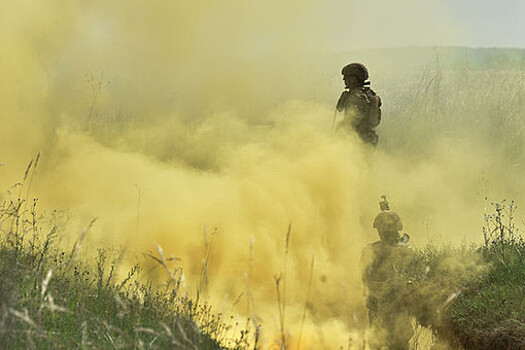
{"points": [[379, 321], [400, 331], [372, 306], [376, 334]]}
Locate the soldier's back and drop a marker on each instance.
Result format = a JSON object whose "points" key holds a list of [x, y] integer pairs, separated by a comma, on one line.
{"points": [[384, 265]]}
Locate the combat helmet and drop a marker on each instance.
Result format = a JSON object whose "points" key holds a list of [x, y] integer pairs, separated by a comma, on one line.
{"points": [[388, 223], [357, 69]]}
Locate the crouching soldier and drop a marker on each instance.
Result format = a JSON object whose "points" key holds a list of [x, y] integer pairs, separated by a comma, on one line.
{"points": [[384, 264]]}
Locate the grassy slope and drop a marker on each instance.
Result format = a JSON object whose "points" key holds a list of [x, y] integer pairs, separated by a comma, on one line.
{"points": [[471, 296], [49, 300], [490, 314]]}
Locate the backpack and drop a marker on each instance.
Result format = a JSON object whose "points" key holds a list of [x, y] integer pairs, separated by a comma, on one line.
{"points": [[374, 111]]}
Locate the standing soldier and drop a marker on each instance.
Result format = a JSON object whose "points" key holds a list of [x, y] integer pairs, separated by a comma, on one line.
{"points": [[384, 267], [360, 104]]}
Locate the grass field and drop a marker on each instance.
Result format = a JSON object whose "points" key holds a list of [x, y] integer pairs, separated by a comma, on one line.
{"points": [[490, 313], [458, 115], [469, 296], [51, 299]]}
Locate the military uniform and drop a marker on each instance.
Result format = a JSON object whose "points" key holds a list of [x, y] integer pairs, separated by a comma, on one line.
{"points": [[361, 106], [384, 264], [356, 104]]}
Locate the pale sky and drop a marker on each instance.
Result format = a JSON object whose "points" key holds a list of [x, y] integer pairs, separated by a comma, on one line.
{"points": [[499, 23], [387, 23]]}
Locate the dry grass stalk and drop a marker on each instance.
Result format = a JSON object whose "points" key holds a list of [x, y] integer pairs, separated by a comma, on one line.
{"points": [[185, 336], [32, 175], [24, 316], [45, 283], [80, 239], [54, 307], [170, 334], [202, 288], [303, 318], [163, 261], [281, 296]]}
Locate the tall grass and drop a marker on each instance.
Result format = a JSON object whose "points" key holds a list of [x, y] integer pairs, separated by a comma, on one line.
{"points": [[490, 314], [280, 285], [472, 296], [49, 298]]}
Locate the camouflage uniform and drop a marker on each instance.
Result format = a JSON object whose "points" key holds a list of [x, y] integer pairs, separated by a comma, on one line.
{"points": [[361, 106], [383, 265]]}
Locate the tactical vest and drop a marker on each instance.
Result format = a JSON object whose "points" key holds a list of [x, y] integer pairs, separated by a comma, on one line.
{"points": [[362, 109]]}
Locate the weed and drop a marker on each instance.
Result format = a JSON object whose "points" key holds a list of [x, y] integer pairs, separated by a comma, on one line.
{"points": [[472, 296], [51, 299]]}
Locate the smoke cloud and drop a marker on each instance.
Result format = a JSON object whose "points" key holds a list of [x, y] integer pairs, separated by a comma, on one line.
{"points": [[179, 124]]}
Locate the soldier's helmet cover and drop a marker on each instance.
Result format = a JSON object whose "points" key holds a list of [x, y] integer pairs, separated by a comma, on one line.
{"points": [[388, 224], [357, 69]]}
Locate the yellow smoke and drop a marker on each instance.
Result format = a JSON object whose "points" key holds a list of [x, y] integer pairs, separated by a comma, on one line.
{"points": [[179, 124]]}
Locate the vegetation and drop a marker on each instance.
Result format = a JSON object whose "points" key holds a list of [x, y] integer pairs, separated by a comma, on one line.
{"points": [[49, 299], [490, 314], [473, 297], [470, 296]]}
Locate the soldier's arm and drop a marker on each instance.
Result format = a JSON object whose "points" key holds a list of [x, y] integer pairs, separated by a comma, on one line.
{"points": [[341, 103], [365, 263]]}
